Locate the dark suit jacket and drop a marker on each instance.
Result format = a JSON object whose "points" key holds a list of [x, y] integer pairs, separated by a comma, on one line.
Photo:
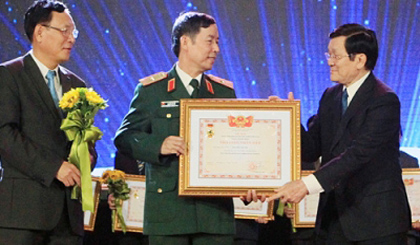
{"points": [[359, 172], [141, 136], [408, 161], [32, 149]]}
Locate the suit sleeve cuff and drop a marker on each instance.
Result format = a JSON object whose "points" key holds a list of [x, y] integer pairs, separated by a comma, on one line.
{"points": [[312, 184]]}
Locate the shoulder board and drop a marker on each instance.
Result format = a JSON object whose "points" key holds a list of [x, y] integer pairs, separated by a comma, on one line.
{"points": [[153, 78], [221, 81]]}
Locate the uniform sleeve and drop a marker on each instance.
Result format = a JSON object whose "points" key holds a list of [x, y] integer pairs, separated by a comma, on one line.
{"points": [[135, 138]]}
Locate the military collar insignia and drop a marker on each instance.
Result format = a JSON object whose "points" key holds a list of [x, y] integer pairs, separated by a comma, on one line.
{"points": [[209, 86], [171, 85], [221, 81]]}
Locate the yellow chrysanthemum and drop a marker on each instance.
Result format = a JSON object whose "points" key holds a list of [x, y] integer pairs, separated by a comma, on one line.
{"points": [[113, 175], [69, 99], [93, 97]]}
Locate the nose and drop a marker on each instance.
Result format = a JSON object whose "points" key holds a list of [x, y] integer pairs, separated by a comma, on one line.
{"points": [[330, 62], [216, 48], [71, 38]]}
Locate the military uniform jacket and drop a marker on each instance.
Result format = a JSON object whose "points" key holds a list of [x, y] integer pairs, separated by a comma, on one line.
{"points": [[141, 136]]}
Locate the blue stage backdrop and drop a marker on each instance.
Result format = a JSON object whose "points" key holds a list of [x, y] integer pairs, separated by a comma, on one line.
{"points": [[267, 48]]}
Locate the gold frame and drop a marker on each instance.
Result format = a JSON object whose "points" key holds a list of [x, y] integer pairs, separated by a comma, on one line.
{"points": [[189, 105], [297, 220], [414, 172], [117, 224], [90, 226], [268, 215]]}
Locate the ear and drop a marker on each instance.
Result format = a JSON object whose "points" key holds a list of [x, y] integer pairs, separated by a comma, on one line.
{"points": [[38, 33], [361, 60], [184, 42]]}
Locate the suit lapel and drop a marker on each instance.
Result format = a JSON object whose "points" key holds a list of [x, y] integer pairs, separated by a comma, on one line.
{"points": [[357, 103], [64, 80], [37, 82]]}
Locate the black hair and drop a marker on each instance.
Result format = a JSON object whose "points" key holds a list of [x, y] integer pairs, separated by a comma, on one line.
{"points": [[40, 12], [189, 23], [360, 40]]}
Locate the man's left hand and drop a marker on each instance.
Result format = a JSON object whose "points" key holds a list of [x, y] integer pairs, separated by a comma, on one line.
{"points": [[292, 192]]}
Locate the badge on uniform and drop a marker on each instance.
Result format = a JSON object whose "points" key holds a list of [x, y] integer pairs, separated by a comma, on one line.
{"points": [[169, 103]]}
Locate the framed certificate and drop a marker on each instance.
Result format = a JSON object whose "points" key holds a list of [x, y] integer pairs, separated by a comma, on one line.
{"points": [[133, 208], [305, 211], [411, 179], [253, 210], [89, 217], [236, 145]]}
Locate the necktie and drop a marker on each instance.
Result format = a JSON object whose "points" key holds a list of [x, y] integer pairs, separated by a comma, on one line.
{"points": [[344, 101], [194, 84], [50, 77]]}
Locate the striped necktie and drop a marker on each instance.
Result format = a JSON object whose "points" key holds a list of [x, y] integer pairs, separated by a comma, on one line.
{"points": [[344, 100], [50, 77]]}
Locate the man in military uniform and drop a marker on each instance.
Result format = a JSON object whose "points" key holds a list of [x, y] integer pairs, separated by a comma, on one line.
{"points": [[149, 132]]}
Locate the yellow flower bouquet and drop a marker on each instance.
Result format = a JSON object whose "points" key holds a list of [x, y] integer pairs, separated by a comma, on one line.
{"points": [[117, 186], [81, 105]]}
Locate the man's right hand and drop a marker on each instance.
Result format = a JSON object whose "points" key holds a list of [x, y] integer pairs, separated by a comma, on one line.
{"points": [[111, 202], [69, 174], [173, 145]]}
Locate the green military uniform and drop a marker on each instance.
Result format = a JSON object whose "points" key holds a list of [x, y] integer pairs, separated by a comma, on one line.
{"points": [[153, 116]]}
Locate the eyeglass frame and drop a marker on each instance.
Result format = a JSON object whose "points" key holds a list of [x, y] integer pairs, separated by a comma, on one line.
{"points": [[74, 33], [336, 57]]}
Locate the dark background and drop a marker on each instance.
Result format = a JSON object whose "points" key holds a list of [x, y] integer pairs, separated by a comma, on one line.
{"points": [[267, 48]]}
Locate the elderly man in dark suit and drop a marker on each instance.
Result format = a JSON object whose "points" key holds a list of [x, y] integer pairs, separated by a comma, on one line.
{"points": [[363, 198], [35, 204]]}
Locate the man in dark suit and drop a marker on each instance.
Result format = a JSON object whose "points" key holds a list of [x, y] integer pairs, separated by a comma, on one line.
{"points": [[149, 133], [363, 198], [35, 204]]}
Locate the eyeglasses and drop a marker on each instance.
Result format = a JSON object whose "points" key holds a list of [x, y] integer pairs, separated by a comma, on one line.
{"points": [[66, 32], [335, 57]]}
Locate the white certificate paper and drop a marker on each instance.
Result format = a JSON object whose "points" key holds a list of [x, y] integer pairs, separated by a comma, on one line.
{"points": [[234, 153]]}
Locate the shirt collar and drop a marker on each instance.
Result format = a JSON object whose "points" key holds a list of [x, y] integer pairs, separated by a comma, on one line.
{"points": [[352, 89], [185, 78], [44, 70]]}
